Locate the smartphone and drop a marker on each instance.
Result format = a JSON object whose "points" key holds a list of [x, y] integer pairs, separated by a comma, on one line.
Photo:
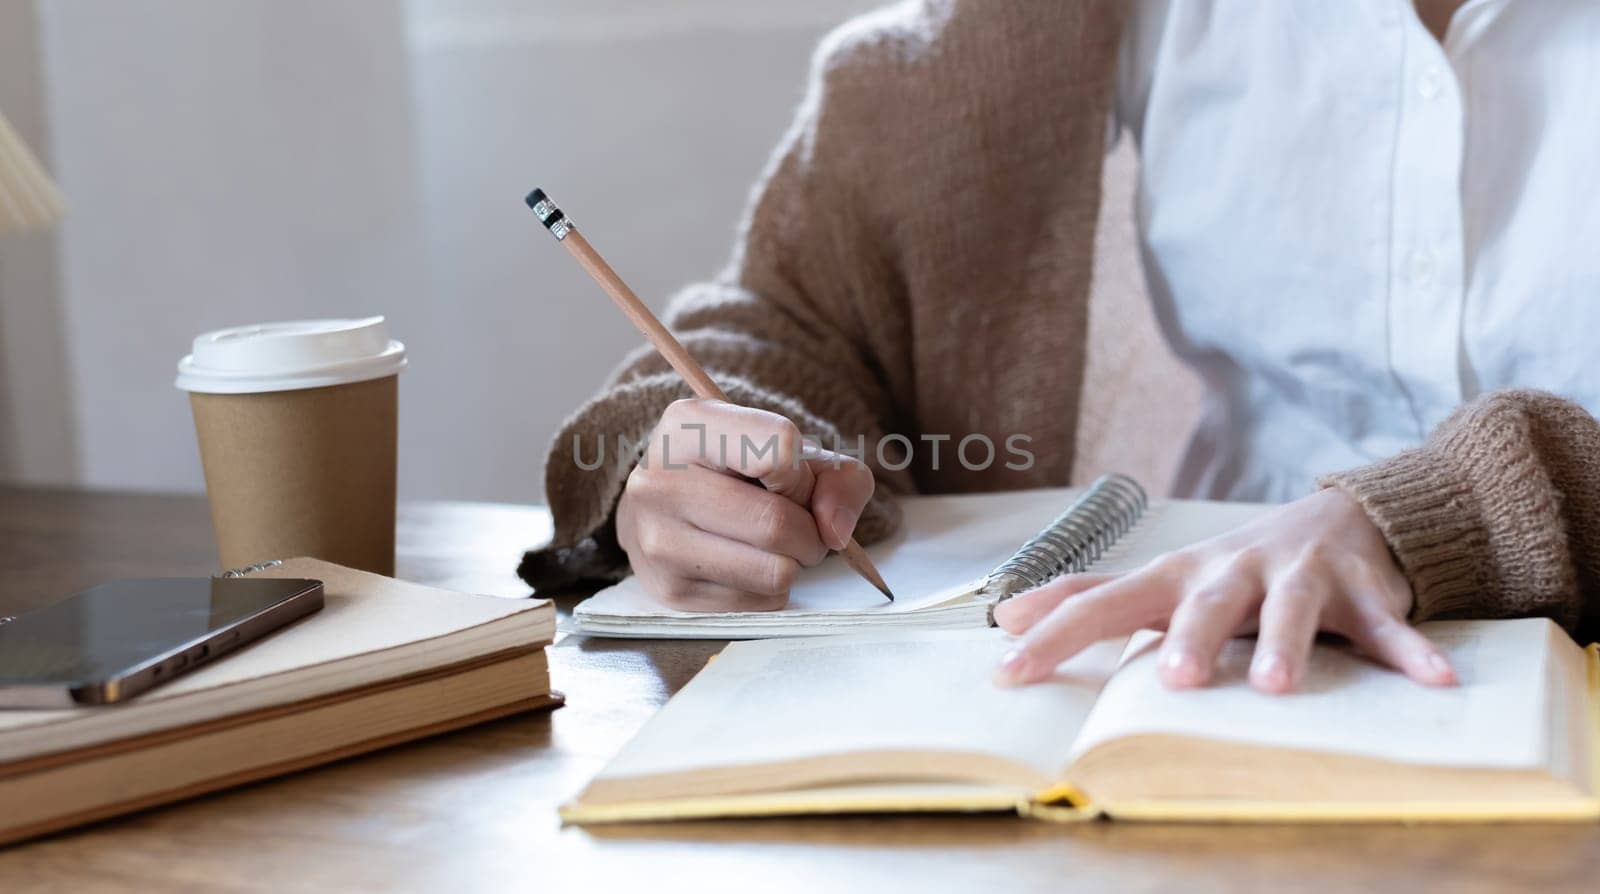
{"points": [[112, 642]]}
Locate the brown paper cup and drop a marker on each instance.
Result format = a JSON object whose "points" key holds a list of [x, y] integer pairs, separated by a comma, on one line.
{"points": [[307, 472]]}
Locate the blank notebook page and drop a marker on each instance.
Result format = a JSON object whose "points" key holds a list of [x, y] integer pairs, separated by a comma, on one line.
{"points": [[944, 542]]}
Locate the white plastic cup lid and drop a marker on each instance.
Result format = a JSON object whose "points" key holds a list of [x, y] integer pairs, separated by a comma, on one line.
{"points": [[291, 355]]}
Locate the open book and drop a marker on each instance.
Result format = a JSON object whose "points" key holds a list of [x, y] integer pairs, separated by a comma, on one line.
{"points": [[937, 562], [910, 721]]}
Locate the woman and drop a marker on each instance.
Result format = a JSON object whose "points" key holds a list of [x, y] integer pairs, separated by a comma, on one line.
{"points": [[1353, 232]]}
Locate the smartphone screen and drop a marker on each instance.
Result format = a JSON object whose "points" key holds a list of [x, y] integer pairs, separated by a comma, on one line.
{"points": [[112, 629]]}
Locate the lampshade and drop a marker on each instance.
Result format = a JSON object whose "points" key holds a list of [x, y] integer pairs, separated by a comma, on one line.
{"points": [[27, 196]]}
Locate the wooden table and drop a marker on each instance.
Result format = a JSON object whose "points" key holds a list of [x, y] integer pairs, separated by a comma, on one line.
{"points": [[477, 808]]}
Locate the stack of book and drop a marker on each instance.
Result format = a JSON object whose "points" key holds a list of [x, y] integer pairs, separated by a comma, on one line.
{"points": [[384, 662]]}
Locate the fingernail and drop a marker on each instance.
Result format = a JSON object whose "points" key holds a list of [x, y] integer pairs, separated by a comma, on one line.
{"points": [[843, 522], [1180, 668], [1441, 668], [1271, 672], [1015, 668]]}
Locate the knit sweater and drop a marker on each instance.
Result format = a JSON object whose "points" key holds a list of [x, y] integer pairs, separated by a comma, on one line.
{"points": [[916, 261]]}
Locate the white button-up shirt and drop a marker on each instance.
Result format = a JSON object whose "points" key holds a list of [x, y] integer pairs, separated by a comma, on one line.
{"points": [[1349, 229]]}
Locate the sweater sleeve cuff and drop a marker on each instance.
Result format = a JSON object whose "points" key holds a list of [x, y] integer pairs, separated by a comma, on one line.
{"points": [[585, 471], [1431, 523]]}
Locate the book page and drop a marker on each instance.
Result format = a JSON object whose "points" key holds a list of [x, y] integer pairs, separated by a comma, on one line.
{"points": [[1497, 718], [1574, 720], [770, 701]]}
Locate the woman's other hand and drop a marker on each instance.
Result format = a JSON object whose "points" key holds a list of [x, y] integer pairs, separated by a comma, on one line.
{"points": [[1317, 564]]}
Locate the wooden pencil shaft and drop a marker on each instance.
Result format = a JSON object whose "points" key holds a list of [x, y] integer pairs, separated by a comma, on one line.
{"points": [[856, 557], [664, 341]]}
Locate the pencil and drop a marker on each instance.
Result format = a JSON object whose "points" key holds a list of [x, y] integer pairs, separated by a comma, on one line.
{"points": [[663, 340]]}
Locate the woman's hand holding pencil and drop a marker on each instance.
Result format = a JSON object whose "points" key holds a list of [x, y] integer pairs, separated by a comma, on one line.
{"points": [[728, 502], [702, 538]]}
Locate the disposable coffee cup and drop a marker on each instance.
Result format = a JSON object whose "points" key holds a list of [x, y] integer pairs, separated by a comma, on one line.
{"points": [[296, 423]]}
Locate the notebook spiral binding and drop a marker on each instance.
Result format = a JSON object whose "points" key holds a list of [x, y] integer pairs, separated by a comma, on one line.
{"points": [[1075, 540], [251, 569]]}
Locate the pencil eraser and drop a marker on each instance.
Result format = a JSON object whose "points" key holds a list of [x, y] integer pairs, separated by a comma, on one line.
{"points": [[548, 214], [546, 210]]}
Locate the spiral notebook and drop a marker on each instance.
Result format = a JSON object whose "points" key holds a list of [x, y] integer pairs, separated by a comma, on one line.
{"points": [[952, 559]]}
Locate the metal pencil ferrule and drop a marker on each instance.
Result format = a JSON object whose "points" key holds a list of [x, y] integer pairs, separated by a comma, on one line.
{"points": [[549, 214]]}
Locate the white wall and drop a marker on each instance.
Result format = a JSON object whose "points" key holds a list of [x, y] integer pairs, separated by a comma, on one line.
{"points": [[647, 122], [225, 162], [237, 160], [37, 437]]}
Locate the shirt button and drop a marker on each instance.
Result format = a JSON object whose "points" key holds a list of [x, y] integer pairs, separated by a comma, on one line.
{"points": [[1431, 83]]}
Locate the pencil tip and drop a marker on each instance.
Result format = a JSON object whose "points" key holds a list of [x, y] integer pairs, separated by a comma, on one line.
{"points": [[857, 559], [876, 579]]}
